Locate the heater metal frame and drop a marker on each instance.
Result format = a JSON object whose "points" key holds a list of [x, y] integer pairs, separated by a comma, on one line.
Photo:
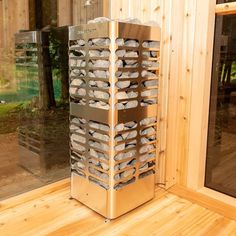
{"points": [[111, 202]]}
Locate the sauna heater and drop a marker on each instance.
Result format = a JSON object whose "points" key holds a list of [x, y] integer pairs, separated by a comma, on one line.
{"points": [[114, 73]]}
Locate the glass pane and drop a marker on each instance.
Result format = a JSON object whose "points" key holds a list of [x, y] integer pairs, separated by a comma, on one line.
{"points": [[221, 149], [34, 133]]}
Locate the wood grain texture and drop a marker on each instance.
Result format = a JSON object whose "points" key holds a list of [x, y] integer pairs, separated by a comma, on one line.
{"points": [[64, 12], [226, 8], [13, 17], [82, 13], [202, 199], [144, 10], [165, 165], [200, 93], [54, 213]]}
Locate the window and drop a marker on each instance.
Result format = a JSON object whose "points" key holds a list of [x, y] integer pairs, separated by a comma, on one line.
{"points": [[34, 138], [221, 147]]}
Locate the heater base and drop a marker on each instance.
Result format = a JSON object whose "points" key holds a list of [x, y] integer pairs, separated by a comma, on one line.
{"points": [[112, 203]]}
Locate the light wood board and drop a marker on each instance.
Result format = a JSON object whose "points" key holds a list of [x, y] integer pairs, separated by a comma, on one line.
{"points": [[54, 213]]}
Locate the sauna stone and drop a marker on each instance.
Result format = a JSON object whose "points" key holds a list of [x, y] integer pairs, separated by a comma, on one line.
{"points": [[122, 146], [77, 146], [78, 138], [99, 145], [123, 84], [98, 173], [128, 125], [77, 91], [147, 156], [150, 44], [79, 121], [100, 126], [74, 128], [102, 165], [127, 42], [77, 72], [147, 148], [125, 164], [147, 131], [149, 101], [147, 64], [128, 74], [127, 173], [99, 53], [148, 121], [143, 166], [77, 82], [150, 54], [124, 136], [125, 95], [145, 140], [98, 84], [101, 74], [124, 155], [99, 20], [99, 42], [99, 63], [150, 83], [151, 92], [78, 165], [97, 135], [126, 105], [148, 74], [97, 154], [99, 94], [99, 104]]}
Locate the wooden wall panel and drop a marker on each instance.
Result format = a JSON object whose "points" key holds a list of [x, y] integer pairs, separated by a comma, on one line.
{"points": [[185, 83], [13, 17], [200, 93], [144, 10], [1, 24], [189, 87], [82, 13], [64, 12]]}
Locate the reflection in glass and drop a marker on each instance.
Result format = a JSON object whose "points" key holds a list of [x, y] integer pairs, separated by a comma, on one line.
{"points": [[221, 149], [34, 138]]}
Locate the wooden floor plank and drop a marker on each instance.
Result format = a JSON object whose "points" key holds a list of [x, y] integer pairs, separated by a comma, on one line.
{"points": [[54, 213], [205, 201], [31, 195]]}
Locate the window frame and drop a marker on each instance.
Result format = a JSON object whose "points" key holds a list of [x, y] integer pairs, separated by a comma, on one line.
{"points": [[198, 143]]}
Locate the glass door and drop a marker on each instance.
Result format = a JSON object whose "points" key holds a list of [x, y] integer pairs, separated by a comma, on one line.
{"points": [[221, 148]]}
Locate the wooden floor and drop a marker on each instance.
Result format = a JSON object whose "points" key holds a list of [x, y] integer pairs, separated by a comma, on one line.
{"points": [[51, 212]]}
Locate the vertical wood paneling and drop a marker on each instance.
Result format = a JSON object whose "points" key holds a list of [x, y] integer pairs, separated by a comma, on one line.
{"points": [[170, 10], [13, 17], [119, 9], [185, 83], [1, 23], [82, 13], [64, 14], [144, 10], [166, 11], [200, 93]]}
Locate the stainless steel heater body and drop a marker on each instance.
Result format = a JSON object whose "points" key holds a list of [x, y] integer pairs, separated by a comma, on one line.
{"points": [[114, 72]]}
